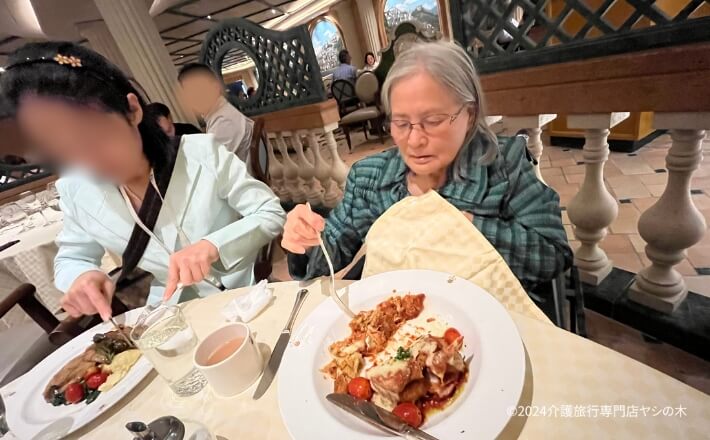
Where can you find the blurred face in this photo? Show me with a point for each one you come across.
(200, 92)
(104, 143)
(370, 60)
(419, 98)
(167, 125)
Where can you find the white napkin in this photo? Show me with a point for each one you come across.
(244, 308)
(52, 216)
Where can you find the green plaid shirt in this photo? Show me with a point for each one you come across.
(516, 212)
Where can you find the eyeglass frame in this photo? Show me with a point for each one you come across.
(452, 118)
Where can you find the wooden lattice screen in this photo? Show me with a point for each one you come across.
(288, 72)
(510, 34)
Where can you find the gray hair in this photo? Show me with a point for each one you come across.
(449, 64)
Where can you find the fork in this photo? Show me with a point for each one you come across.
(333, 293)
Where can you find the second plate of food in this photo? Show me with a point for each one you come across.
(422, 337)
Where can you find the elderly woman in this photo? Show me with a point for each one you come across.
(433, 97)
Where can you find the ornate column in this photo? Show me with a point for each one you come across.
(101, 40)
(290, 171)
(307, 171)
(143, 49)
(593, 209)
(332, 194)
(368, 19)
(339, 171)
(533, 124)
(673, 223)
(276, 171)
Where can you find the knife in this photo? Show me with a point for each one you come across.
(378, 417)
(279, 348)
(9, 245)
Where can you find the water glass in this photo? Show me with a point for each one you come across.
(166, 339)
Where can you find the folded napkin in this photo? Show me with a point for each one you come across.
(245, 307)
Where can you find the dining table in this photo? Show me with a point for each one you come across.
(574, 387)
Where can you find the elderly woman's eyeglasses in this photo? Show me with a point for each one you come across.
(431, 125)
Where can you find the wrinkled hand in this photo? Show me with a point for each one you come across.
(90, 293)
(190, 265)
(302, 229)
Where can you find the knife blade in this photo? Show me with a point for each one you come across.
(9, 245)
(277, 354)
(378, 417)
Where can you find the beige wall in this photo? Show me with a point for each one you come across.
(345, 14)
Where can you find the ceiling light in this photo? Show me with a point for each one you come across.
(2, 69)
(274, 11)
(209, 17)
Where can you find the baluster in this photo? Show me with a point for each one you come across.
(339, 171)
(593, 209)
(533, 124)
(673, 223)
(331, 193)
(307, 172)
(276, 171)
(291, 181)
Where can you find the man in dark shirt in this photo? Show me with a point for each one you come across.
(166, 121)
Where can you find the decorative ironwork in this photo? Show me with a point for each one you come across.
(288, 72)
(509, 34)
(12, 176)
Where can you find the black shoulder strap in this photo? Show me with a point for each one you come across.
(150, 209)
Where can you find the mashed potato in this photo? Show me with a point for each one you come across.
(119, 367)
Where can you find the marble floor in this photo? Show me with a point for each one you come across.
(636, 180)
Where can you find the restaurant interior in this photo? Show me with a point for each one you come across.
(612, 101)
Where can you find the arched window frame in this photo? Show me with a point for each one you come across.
(380, 11)
(330, 19)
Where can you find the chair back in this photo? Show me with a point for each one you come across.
(258, 156)
(367, 87)
(343, 90)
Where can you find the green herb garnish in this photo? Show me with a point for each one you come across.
(402, 354)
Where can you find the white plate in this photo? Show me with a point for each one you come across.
(496, 376)
(29, 416)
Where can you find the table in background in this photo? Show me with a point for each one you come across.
(564, 371)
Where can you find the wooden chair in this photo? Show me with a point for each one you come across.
(344, 93)
(259, 167)
(367, 89)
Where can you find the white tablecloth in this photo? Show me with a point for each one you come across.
(575, 387)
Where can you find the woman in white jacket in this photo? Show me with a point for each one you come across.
(184, 210)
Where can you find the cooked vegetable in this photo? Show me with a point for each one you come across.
(74, 393)
(95, 380)
(403, 354)
(92, 395)
(451, 335)
(360, 388)
(409, 413)
(57, 397)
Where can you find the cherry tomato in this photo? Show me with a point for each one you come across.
(74, 393)
(451, 335)
(409, 413)
(360, 388)
(95, 380)
(90, 372)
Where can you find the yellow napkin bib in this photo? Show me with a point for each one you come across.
(427, 232)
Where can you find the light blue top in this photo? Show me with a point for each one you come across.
(210, 195)
(345, 71)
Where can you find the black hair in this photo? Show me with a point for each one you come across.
(192, 68)
(343, 56)
(82, 77)
(159, 109)
(368, 54)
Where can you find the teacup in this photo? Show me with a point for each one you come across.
(229, 359)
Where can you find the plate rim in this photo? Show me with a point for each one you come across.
(12, 392)
(517, 348)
